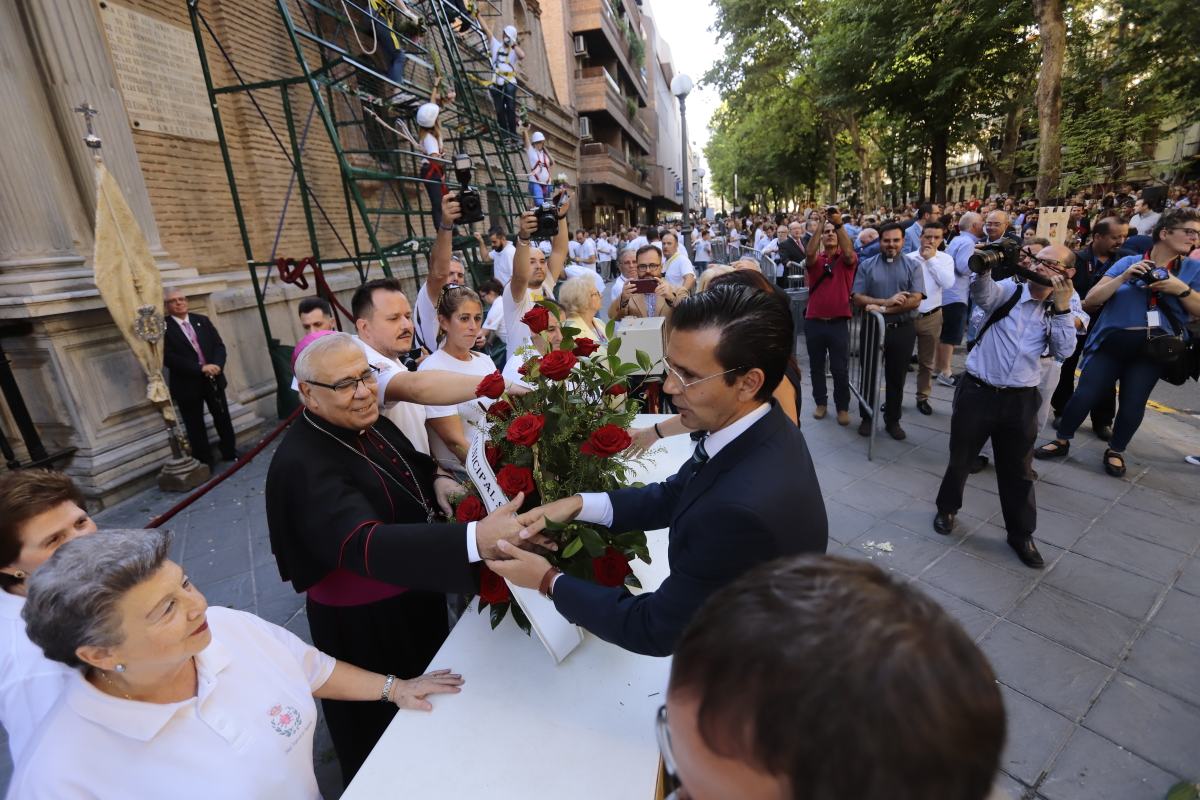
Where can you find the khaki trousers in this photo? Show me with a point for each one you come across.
(929, 329)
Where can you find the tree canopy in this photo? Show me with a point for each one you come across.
(868, 100)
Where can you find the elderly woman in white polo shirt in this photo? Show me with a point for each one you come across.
(172, 698)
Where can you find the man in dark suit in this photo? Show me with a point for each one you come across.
(749, 493)
(195, 356)
(791, 249)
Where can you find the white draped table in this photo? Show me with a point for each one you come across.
(523, 727)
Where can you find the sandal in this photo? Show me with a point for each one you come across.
(1052, 449)
(1116, 470)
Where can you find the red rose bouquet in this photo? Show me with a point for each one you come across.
(568, 434)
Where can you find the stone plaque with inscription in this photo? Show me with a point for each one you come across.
(160, 74)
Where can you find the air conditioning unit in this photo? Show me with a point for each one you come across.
(580, 46)
(585, 128)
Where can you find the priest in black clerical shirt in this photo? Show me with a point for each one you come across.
(355, 515)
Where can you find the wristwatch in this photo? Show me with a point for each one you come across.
(544, 587)
(1184, 293)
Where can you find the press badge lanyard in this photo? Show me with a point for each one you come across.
(1153, 316)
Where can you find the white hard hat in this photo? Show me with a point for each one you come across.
(510, 32)
(537, 137)
(427, 114)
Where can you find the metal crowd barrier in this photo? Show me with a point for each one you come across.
(866, 366)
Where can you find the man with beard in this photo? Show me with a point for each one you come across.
(534, 275)
(894, 286)
(501, 254)
(354, 515)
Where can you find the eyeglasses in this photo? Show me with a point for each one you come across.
(663, 734)
(1052, 263)
(349, 386)
(685, 385)
(1189, 233)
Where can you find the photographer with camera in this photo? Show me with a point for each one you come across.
(829, 266)
(445, 269)
(1091, 263)
(894, 286)
(997, 396)
(1147, 303)
(535, 273)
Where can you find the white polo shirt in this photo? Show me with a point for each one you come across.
(247, 734)
(408, 417)
(30, 683)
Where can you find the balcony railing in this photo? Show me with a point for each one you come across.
(592, 14)
(598, 158)
(596, 90)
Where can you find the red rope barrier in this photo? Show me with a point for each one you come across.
(292, 271)
(213, 483)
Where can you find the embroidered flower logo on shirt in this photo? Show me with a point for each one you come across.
(285, 720)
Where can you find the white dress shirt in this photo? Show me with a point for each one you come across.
(30, 683)
(248, 732)
(597, 506)
(939, 275)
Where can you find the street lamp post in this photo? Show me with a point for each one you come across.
(681, 87)
(703, 205)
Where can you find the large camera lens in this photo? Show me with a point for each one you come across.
(984, 260)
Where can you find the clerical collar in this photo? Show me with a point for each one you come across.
(319, 422)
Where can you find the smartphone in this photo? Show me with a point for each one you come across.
(644, 285)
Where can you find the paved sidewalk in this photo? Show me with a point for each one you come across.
(1096, 653)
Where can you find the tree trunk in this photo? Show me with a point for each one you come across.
(860, 152)
(937, 168)
(831, 165)
(1052, 31)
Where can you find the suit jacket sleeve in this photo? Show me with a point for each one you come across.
(647, 508)
(324, 514)
(720, 546)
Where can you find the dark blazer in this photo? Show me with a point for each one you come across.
(756, 500)
(790, 250)
(1088, 272)
(330, 508)
(180, 358)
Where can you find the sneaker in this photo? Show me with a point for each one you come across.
(1193, 460)
(945, 380)
(924, 407)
